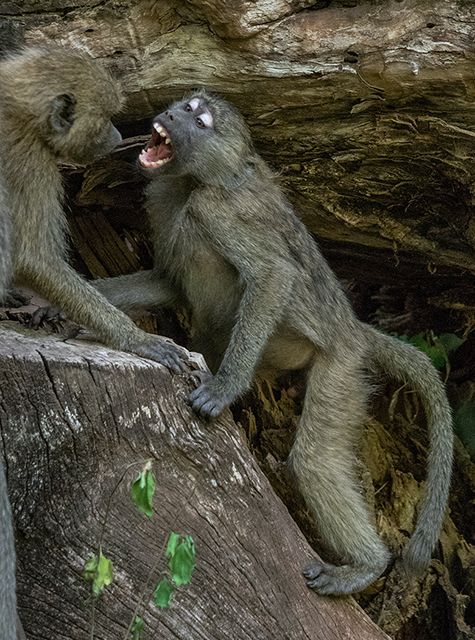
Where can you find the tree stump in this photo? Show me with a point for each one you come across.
(74, 419)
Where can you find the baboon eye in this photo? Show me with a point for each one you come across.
(188, 107)
(204, 120)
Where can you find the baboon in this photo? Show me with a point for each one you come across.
(57, 104)
(53, 104)
(229, 247)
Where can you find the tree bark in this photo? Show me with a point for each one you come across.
(73, 418)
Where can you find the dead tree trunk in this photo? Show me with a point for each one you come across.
(73, 418)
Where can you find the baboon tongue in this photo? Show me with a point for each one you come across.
(155, 153)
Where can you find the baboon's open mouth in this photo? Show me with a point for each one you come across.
(158, 150)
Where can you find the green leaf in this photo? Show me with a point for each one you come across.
(419, 341)
(100, 573)
(438, 355)
(137, 628)
(182, 561)
(172, 544)
(143, 490)
(164, 593)
(450, 341)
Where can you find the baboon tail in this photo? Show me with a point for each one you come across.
(406, 362)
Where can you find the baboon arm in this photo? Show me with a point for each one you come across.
(268, 275)
(142, 289)
(5, 257)
(259, 312)
(64, 288)
(268, 278)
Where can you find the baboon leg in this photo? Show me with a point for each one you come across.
(142, 289)
(323, 461)
(10, 624)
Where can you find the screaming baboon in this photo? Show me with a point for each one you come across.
(230, 248)
(57, 104)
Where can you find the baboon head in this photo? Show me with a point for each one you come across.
(64, 99)
(202, 136)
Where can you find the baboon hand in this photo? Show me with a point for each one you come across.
(210, 398)
(14, 298)
(164, 351)
(46, 316)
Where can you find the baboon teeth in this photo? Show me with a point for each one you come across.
(152, 165)
(159, 129)
(158, 151)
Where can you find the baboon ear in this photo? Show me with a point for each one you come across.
(62, 112)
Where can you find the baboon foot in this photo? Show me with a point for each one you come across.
(328, 579)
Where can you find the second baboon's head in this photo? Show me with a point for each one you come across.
(202, 136)
(64, 99)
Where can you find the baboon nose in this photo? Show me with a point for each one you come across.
(169, 115)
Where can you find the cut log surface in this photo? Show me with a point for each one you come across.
(73, 417)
